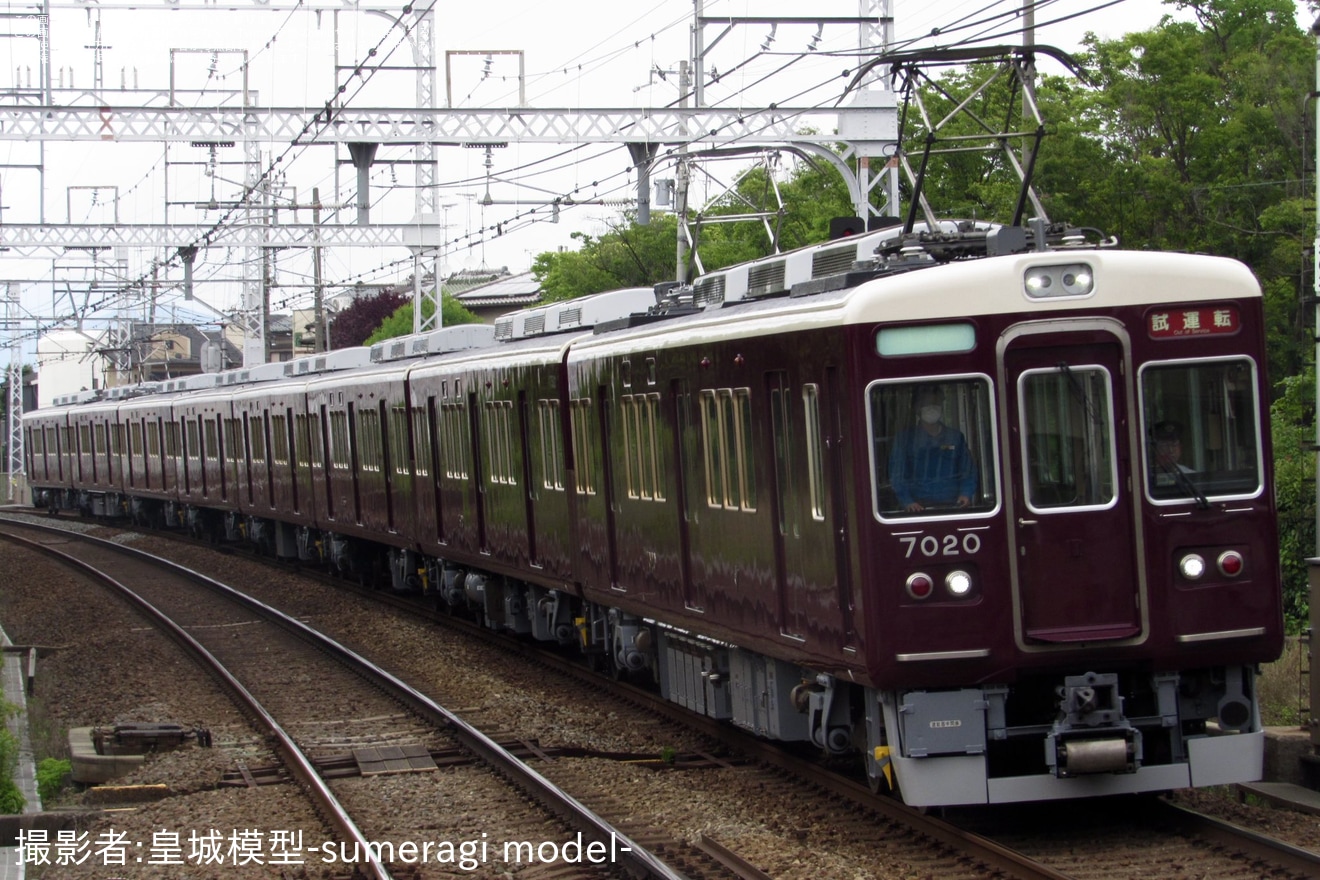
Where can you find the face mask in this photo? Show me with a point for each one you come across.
(931, 414)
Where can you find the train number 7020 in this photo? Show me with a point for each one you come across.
(948, 545)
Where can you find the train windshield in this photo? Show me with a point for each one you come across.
(933, 447)
(1200, 420)
(1067, 425)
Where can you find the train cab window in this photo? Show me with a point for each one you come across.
(1068, 443)
(1200, 421)
(933, 447)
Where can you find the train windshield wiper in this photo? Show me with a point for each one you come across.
(1185, 483)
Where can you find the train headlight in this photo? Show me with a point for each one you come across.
(1230, 563)
(1192, 566)
(959, 583)
(920, 586)
(1038, 282)
(1069, 279)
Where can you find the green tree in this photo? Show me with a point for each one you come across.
(400, 323)
(626, 255)
(629, 255)
(1292, 427)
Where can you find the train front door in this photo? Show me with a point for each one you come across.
(1069, 462)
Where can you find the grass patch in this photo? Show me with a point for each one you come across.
(11, 799)
(1282, 686)
(52, 773)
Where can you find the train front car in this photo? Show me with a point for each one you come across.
(1070, 556)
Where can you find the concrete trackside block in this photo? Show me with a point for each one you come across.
(91, 768)
(1285, 748)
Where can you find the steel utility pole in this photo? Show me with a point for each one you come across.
(318, 292)
(1313, 564)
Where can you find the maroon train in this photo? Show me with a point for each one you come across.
(713, 485)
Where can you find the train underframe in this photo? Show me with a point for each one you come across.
(1047, 735)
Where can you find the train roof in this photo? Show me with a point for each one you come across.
(951, 290)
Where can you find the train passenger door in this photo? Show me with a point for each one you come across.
(685, 453)
(787, 529)
(478, 471)
(1069, 461)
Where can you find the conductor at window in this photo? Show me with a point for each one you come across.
(930, 466)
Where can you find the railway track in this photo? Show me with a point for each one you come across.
(306, 692)
(831, 809)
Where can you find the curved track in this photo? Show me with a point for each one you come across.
(164, 591)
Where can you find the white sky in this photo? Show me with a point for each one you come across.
(578, 54)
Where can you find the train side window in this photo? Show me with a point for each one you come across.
(421, 441)
(229, 433)
(398, 435)
(454, 439)
(279, 440)
(499, 430)
(257, 439)
(1200, 420)
(580, 421)
(212, 440)
(727, 442)
(650, 436)
(640, 444)
(368, 433)
(194, 443)
(552, 457)
(315, 441)
(712, 446)
(339, 440)
(932, 447)
(300, 450)
(135, 438)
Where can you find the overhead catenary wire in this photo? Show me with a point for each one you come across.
(521, 219)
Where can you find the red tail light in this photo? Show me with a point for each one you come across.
(920, 586)
(1230, 563)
